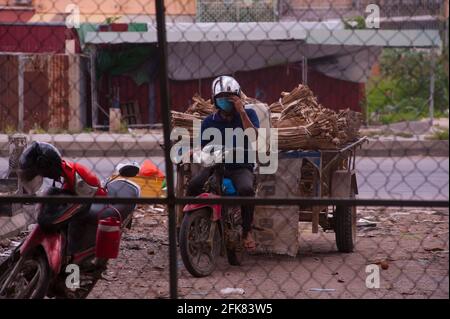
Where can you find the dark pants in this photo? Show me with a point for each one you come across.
(242, 178)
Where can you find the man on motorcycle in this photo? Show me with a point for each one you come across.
(226, 95)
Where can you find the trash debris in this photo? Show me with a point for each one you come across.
(134, 247)
(365, 223)
(423, 261)
(15, 243)
(149, 222)
(341, 280)
(159, 267)
(199, 293)
(322, 289)
(438, 213)
(231, 291)
(4, 243)
(384, 264)
(399, 214)
(6, 253)
(433, 249)
(159, 209)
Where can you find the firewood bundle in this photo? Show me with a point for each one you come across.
(198, 110)
(305, 124)
(200, 107)
(348, 124)
(184, 120)
(301, 121)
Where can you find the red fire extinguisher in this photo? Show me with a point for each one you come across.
(108, 236)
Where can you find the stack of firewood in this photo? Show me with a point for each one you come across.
(305, 124)
(200, 107)
(198, 110)
(301, 121)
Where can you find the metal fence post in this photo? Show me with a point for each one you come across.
(432, 84)
(21, 93)
(165, 114)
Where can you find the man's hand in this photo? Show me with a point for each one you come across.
(239, 107)
(238, 104)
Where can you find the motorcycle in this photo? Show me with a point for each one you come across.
(40, 266)
(208, 231)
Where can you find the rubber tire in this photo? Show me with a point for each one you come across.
(40, 291)
(184, 242)
(343, 223)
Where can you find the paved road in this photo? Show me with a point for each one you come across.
(400, 178)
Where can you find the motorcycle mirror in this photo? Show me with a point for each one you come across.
(128, 169)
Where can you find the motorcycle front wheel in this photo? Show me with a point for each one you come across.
(200, 242)
(26, 278)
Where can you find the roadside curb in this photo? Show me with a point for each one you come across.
(86, 145)
(117, 145)
(404, 148)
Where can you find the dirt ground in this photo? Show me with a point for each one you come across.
(410, 243)
(411, 246)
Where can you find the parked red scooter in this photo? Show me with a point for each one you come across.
(77, 242)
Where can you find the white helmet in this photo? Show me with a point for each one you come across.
(224, 84)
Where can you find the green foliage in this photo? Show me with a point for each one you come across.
(123, 127)
(357, 22)
(439, 134)
(37, 129)
(401, 92)
(9, 129)
(111, 20)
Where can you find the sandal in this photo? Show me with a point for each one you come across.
(249, 243)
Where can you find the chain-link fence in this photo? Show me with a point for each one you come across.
(348, 101)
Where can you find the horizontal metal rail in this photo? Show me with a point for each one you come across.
(231, 200)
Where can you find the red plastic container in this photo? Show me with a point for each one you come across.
(108, 238)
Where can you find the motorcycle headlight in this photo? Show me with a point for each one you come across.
(82, 188)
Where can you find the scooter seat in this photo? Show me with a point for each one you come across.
(82, 229)
(117, 188)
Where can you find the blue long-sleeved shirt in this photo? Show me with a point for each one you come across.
(216, 121)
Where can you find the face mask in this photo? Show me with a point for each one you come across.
(224, 104)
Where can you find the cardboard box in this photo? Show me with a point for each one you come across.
(276, 229)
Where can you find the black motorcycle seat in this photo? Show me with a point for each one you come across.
(117, 188)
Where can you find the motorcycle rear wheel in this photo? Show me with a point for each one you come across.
(26, 278)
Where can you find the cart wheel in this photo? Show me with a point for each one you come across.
(345, 227)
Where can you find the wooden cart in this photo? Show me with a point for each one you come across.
(324, 174)
(330, 174)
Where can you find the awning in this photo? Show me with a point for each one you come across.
(203, 50)
(217, 32)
